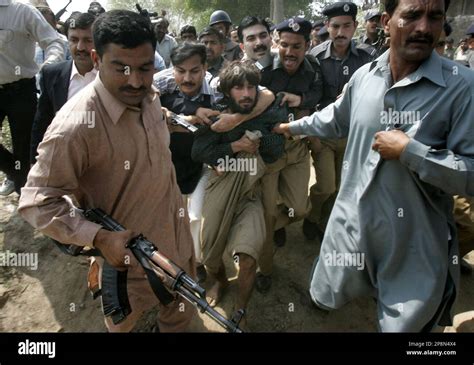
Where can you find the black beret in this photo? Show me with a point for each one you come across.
(318, 23)
(340, 8)
(295, 25)
(470, 30)
(323, 31)
(372, 13)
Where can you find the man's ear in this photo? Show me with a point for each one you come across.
(95, 58)
(385, 22)
(205, 67)
(308, 45)
(356, 23)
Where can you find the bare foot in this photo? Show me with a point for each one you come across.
(243, 325)
(214, 295)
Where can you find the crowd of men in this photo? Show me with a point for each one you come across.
(385, 119)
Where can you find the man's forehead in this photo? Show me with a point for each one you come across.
(407, 5)
(254, 30)
(244, 83)
(292, 38)
(139, 55)
(190, 63)
(209, 37)
(80, 31)
(341, 20)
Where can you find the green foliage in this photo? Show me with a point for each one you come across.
(197, 12)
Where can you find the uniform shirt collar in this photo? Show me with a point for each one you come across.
(328, 52)
(114, 107)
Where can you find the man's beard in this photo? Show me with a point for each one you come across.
(236, 108)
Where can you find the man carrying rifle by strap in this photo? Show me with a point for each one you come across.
(121, 164)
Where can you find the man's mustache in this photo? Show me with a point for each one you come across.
(81, 53)
(341, 37)
(421, 38)
(246, 100)
(260, 48)
(132, 89)
(188, 84)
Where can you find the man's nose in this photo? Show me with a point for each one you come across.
(135, 79)
(423, 25)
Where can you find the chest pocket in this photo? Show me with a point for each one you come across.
(6, 36)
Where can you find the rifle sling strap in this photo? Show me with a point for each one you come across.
(163, 295)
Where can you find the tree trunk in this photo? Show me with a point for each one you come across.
(277, 11)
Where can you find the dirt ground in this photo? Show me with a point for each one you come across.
(55, 298)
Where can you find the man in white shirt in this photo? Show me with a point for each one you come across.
(60, 82)
(21, 26)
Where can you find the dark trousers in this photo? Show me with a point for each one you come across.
(18, 103)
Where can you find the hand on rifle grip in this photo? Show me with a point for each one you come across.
(112, 245)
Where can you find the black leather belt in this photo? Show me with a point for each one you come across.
(17, 85)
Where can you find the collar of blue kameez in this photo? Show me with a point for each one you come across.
(431, 69)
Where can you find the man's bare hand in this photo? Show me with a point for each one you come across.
(193, 119)
(225, 123)
(245, 144)
(283, 128)
(293, 100)
(112, 246)
(205, 114)
(390, 144)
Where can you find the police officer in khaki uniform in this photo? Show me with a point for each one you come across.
(298, 77)
(339, 58)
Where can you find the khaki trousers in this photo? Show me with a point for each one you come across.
(328, 163)
(285, 181)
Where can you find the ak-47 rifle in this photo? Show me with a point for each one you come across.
(165, 278)
(62, 11)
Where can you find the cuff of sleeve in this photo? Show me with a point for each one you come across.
(296, 128)
(87, 233)
(414, 154)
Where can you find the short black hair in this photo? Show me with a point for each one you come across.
(391, 5)
(250, 21)
(123, 27)
(188, 29)
(165, 21)
(187, 50)
(447, 29)
(208, 31)
(79, 20)
(236, 73)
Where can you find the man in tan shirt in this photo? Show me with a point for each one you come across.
(108, 147)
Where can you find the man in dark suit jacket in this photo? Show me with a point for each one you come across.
(61, 81)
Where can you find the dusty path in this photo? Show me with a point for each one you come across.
(54, 298)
